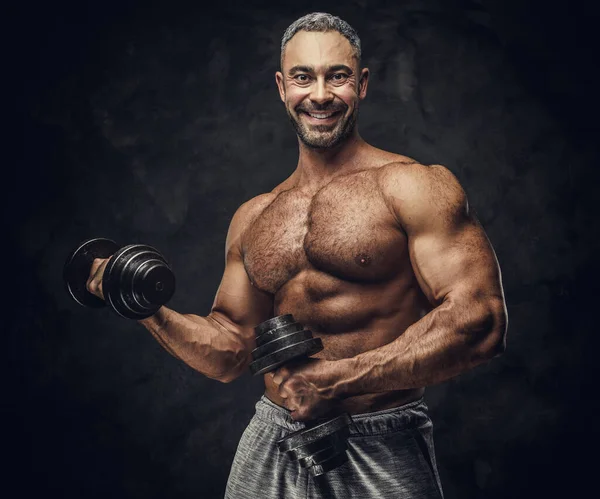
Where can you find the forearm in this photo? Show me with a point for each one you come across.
(451, 339)
(204, 343)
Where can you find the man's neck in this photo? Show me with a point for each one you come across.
(316, 166)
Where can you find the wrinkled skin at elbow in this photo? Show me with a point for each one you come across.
(234, 363)
(493, 325)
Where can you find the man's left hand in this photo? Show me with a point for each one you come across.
(307, 388)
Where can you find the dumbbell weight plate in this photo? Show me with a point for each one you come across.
(273, 323)
(273, 334)
(274, 360)
(329, 464)
(77, 269)
(137, 281)
(313, 433)
(279, 343)
(322, 455)
(335, 439)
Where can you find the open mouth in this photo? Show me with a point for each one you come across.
(321, 117)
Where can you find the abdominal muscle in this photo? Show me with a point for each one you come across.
(351, 319)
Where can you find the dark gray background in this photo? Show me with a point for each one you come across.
(152, 121)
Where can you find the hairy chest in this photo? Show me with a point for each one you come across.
(345, 230)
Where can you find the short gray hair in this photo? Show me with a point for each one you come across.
(322, 22)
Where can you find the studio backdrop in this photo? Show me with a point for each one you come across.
(151, 122)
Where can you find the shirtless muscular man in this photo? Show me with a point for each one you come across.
(376, 254)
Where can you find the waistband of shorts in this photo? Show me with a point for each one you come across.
(411, 415)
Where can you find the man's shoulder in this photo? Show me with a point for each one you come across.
(394, 170)
(414, 178)
(244, 216)
(250, 209)
(418, 193)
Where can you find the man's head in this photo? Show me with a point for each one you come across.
(321, 82)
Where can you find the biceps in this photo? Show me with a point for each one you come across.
(238, 302)
(461, 260)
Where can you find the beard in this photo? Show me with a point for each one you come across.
(324, 136)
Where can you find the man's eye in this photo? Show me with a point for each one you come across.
(301, 78)
(339, 76)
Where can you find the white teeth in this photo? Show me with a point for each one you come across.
(321, 116)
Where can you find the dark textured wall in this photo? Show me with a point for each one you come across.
(152, 121)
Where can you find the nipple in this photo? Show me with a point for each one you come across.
(363, 260)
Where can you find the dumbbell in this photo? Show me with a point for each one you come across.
(321, 446)
(137, 279)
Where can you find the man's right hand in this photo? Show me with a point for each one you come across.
(220, 344)
(94, 282)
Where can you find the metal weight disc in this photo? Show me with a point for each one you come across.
(77, 269)
(279, 357)
(322, 455)
(118, 281)
(115, 285)
(278, 332)
(336, 439)
(153, 283)
(273, 323)
(328, 464)
(282, 342)
(313, 433)
(146, 281)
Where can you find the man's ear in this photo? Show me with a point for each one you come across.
(280, 85)
(363, 83)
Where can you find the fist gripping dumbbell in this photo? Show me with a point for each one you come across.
(321, 446)
(136, 282)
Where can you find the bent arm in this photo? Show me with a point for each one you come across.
(457, 270)
(219, 344)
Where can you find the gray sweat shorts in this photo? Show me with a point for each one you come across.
(390, 455)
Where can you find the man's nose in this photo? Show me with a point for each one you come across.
(320, 92)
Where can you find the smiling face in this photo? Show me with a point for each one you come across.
(321, 85)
